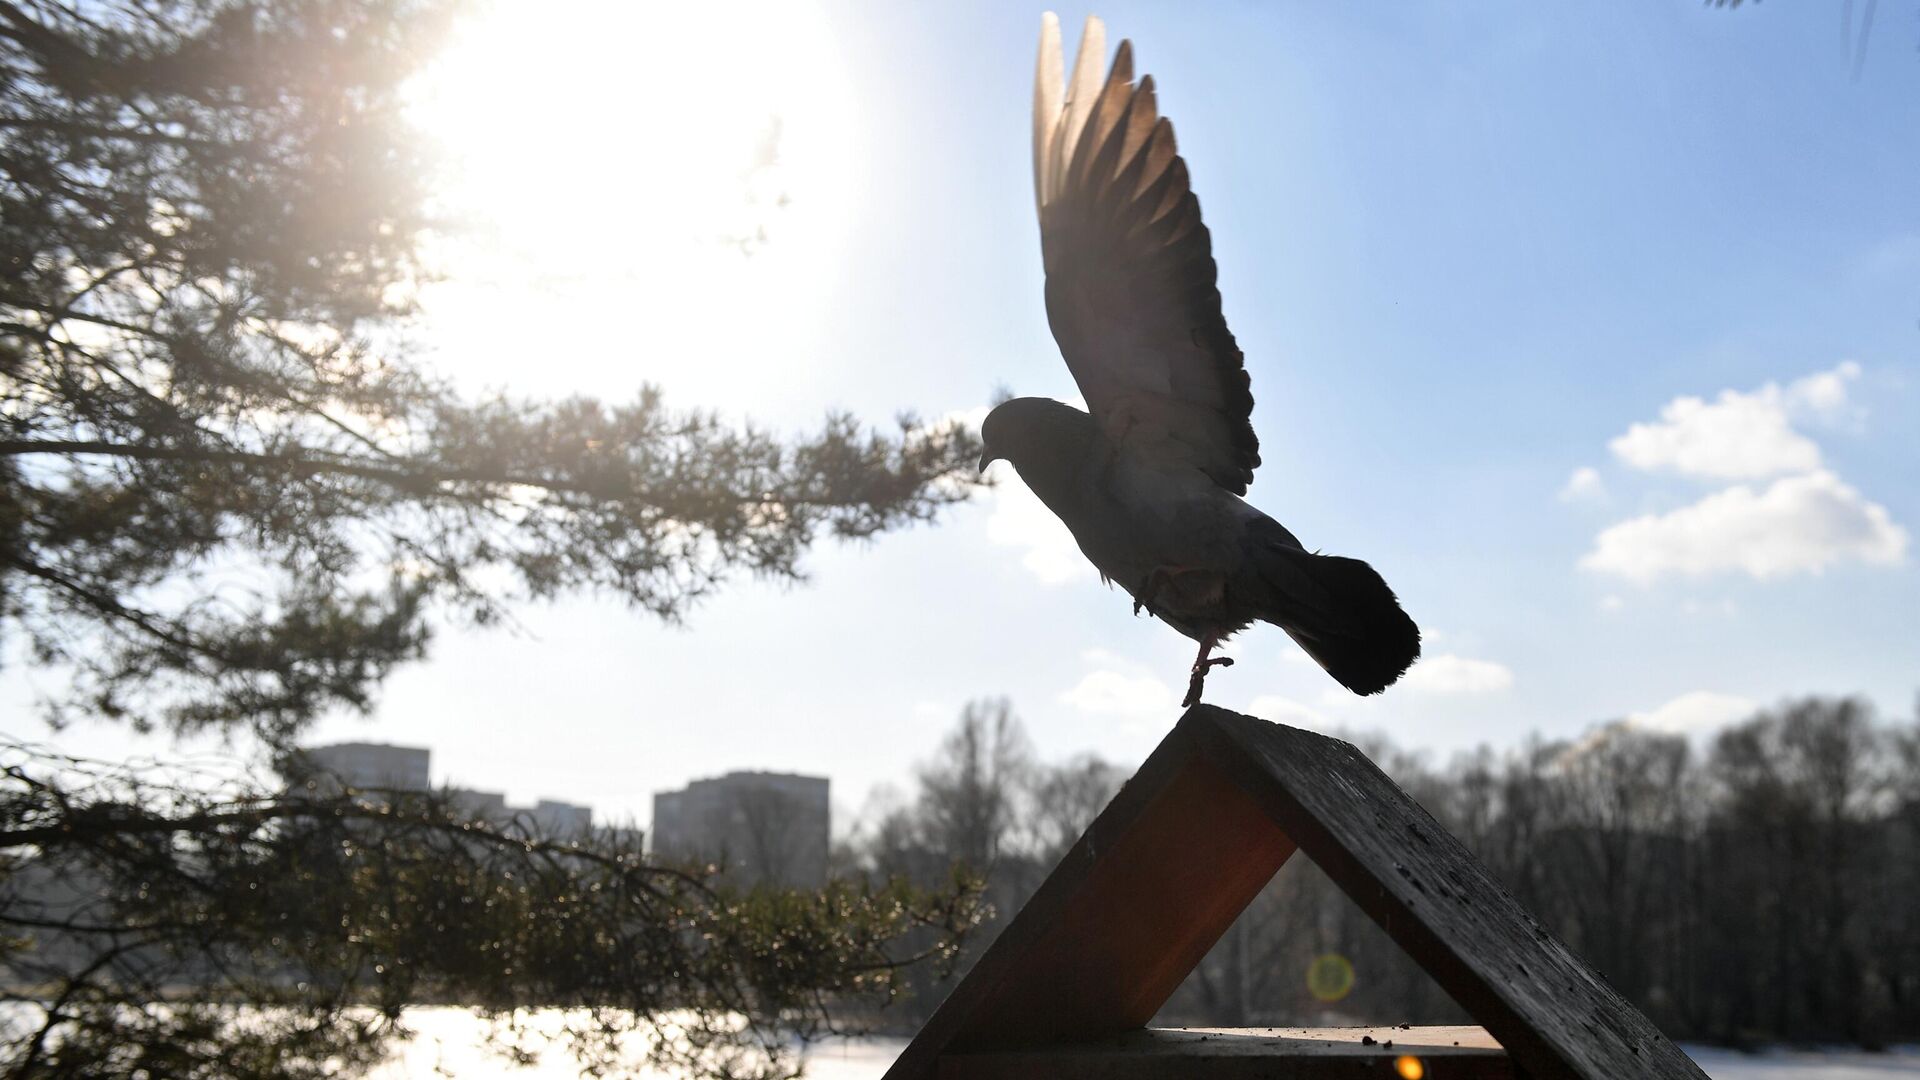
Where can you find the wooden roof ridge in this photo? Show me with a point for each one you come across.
(1192, 838)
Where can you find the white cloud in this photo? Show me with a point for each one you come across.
(1612, 602)
(1336, 697)
(1019, 519)
(1119, 687)
(1285, 710)
(972, 417)
(1824, 393)
(1450, 674)
(1739, 435)
(1696, 712)
(1584, 485)
(1799, 524)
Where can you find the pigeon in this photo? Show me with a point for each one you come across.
(1150, 478)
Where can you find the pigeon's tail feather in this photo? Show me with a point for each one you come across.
(1342, 614)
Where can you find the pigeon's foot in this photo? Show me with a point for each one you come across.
(1197, 681)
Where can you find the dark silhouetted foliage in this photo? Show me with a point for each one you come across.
(1760, 891)
(152, 928)
(230, 500)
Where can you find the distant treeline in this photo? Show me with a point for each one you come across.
(1760, 885)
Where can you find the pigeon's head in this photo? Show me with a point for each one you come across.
(1039, 435)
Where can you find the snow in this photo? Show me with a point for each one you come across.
(1822, 1064)
(448, 1042)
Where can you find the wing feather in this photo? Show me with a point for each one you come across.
(1082, 91)
(1048, 93)
(1132, 292)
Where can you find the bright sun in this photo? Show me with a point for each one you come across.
(637, 179)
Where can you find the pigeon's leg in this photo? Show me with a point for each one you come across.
(1201, 664)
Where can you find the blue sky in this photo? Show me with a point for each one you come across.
(1469, 251)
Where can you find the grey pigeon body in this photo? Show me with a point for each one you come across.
(1150, 479)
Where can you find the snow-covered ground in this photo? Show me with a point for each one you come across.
(448, 1042)
(1836, 1064)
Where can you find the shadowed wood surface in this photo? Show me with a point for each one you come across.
(1147, 890)
(1442, 1053)
(1552, 1012)
(1155, 896)
(1216, 809)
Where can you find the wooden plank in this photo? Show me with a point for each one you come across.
(1439, 1053)
(1155, 899)
(1153, 883)
(1552, 1012)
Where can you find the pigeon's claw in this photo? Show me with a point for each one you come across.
(1197, 681)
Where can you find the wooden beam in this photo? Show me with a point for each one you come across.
(1153, 897)
(1553, 1013)
(1437, 1053)
(1132, 907)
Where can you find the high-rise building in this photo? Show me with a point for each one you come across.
(757, 826)
(373, 766)
(479, 805)
(555, 818)
(378, 767)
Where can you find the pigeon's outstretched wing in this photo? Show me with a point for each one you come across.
(1130, 274)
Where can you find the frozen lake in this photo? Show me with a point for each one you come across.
(448, 1037)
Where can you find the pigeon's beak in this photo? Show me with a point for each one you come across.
(987, 458)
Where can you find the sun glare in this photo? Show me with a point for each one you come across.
(631, 179)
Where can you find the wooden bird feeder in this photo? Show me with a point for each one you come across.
(1067, 989)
